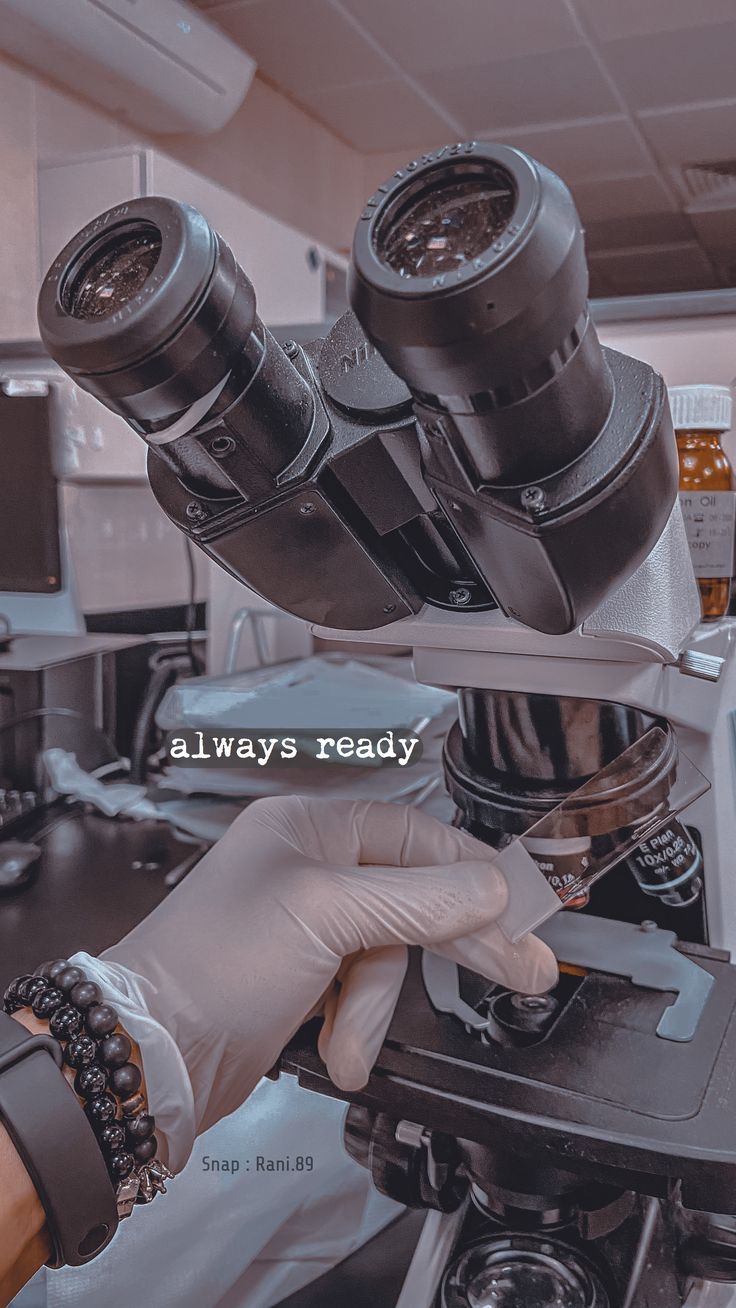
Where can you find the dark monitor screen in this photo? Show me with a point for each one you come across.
(30, 555)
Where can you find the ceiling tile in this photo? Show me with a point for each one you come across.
(649, 271)
(612, 197)
(379, 116)
(539, 89)
(645, 229)
(672, 68)
(378, 168)
(611, 19)
(692, 135)
(585, 150)
(303, 45)
(427, 34)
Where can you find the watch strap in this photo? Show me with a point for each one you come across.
(59, 1149)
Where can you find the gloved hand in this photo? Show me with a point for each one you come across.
(304, 906)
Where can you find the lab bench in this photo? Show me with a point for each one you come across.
(96, 878)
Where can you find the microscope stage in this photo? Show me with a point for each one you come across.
(598, 1092)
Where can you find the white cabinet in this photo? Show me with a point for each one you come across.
(73, 192)
(92, 444)
(281, 263)
(286, 267)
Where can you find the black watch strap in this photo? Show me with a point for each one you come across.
(59, 1149)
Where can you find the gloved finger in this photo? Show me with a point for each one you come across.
(369, 907)
(328, 1004)
(362, 1014)
(368, 832)
(361, 1008)
(528, 966)
(329, 1011)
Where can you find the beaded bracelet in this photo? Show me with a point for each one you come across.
(85, 1026)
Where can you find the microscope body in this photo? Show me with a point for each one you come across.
(548, 1153)
(674, 671)
(462, 469)
(566, 1127)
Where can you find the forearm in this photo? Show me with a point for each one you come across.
(25, 1244)
(24, 1241)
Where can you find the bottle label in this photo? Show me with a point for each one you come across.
(709, 523)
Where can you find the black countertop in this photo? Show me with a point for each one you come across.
(96, 878)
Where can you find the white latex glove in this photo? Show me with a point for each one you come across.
(303, 906)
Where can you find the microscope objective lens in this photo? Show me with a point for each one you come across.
(667, 866)
(565, 864)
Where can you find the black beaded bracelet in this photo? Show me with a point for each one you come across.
(85, 1027)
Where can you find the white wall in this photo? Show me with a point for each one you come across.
(684, 351)
(271, 153)
(19, 266)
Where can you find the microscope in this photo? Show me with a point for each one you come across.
(460, 467)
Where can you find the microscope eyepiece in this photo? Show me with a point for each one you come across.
(109, 274)
(469, 276)
(147, 309)
(474, 441)
(446, 220)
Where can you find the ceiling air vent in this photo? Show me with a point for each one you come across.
(713, 180)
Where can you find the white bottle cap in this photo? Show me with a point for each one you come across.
(701, 408)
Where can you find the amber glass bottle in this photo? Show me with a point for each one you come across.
(701, 414)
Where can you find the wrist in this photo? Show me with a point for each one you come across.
(69, 1016)
(138, 1002)
(48, 1147)
(26, 1218)
(37, 1026)
(26, 1243)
